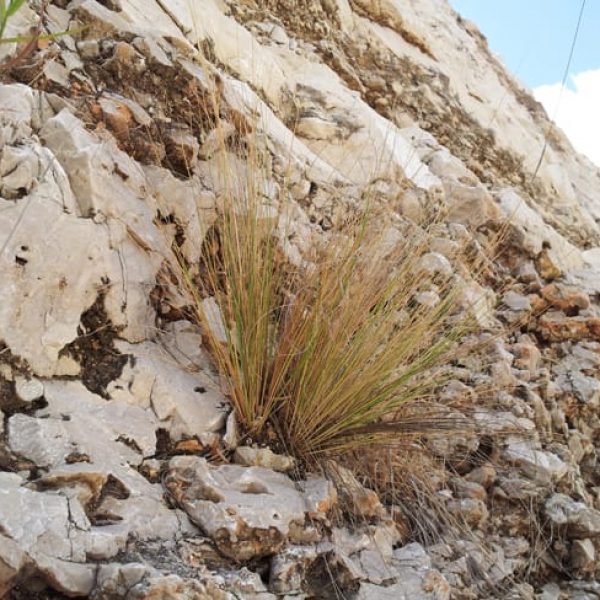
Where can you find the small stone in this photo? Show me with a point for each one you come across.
(516, 488)
(88, 49)
(541, 466)
(579, 520)
(551, 591)
(526, 273)
(125, 53)
(434, 263)
(288, 569)
(117, 117)
(176, 587)
(473, 512)
(375, 568)
(444, 246)
(583, 555)
(555, 326)
(515, 546)
(580, 446)
(516, 302)
(263, 457)
(316, 128)
(12, 560)
(547, 266)
(152, 50)
(182, 149)
(428, 298)
(320, 496)
(355, 498)
(470, 205)
(230, 439)
(56, 73)
(247, 511)
(151, 470)
(484, 476)
(502, 374)
(528, 357)
(566, 298)
(191, 446)
(585, 389)
(71, 60)
(216, 140)
(468, 489)
(67, 366)
(300, 189)
(28, 390)
(279, 36)
(412, 555)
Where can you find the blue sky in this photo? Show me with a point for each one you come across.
(533, 38)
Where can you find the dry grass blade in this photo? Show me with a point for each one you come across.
(325, 353)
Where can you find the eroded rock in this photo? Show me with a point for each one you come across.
(248, 511)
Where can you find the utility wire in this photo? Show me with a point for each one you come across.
(562, 88)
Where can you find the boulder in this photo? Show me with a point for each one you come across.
(247, 511)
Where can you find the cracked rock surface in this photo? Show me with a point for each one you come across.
(121, 472)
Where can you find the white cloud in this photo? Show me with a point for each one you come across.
(578, 112)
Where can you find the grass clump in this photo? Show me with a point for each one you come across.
(325, 354)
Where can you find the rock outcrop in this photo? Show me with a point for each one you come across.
(116, 435)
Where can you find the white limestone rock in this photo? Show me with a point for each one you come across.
(320, 496)
(182, 341)
(578, 520)
(247, 511)
(413, 585)
(534, 234)
(111, 187)
(73, 412)
(28, 390)
(542, 466)
(185, 403)
(39, 522)
(52, 266)
(12, 560)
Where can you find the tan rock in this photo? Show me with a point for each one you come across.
(472, 511)
(528, 356)
(565, 298)
(354, 497)
(557, 327)
(263, 457)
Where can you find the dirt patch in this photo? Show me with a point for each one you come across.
(23, 593)
(95, 351)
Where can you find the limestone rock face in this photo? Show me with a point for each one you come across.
(247, 511)
(117, 440)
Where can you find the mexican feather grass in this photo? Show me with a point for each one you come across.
(326, 353)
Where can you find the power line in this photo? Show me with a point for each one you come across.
(562, 87)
